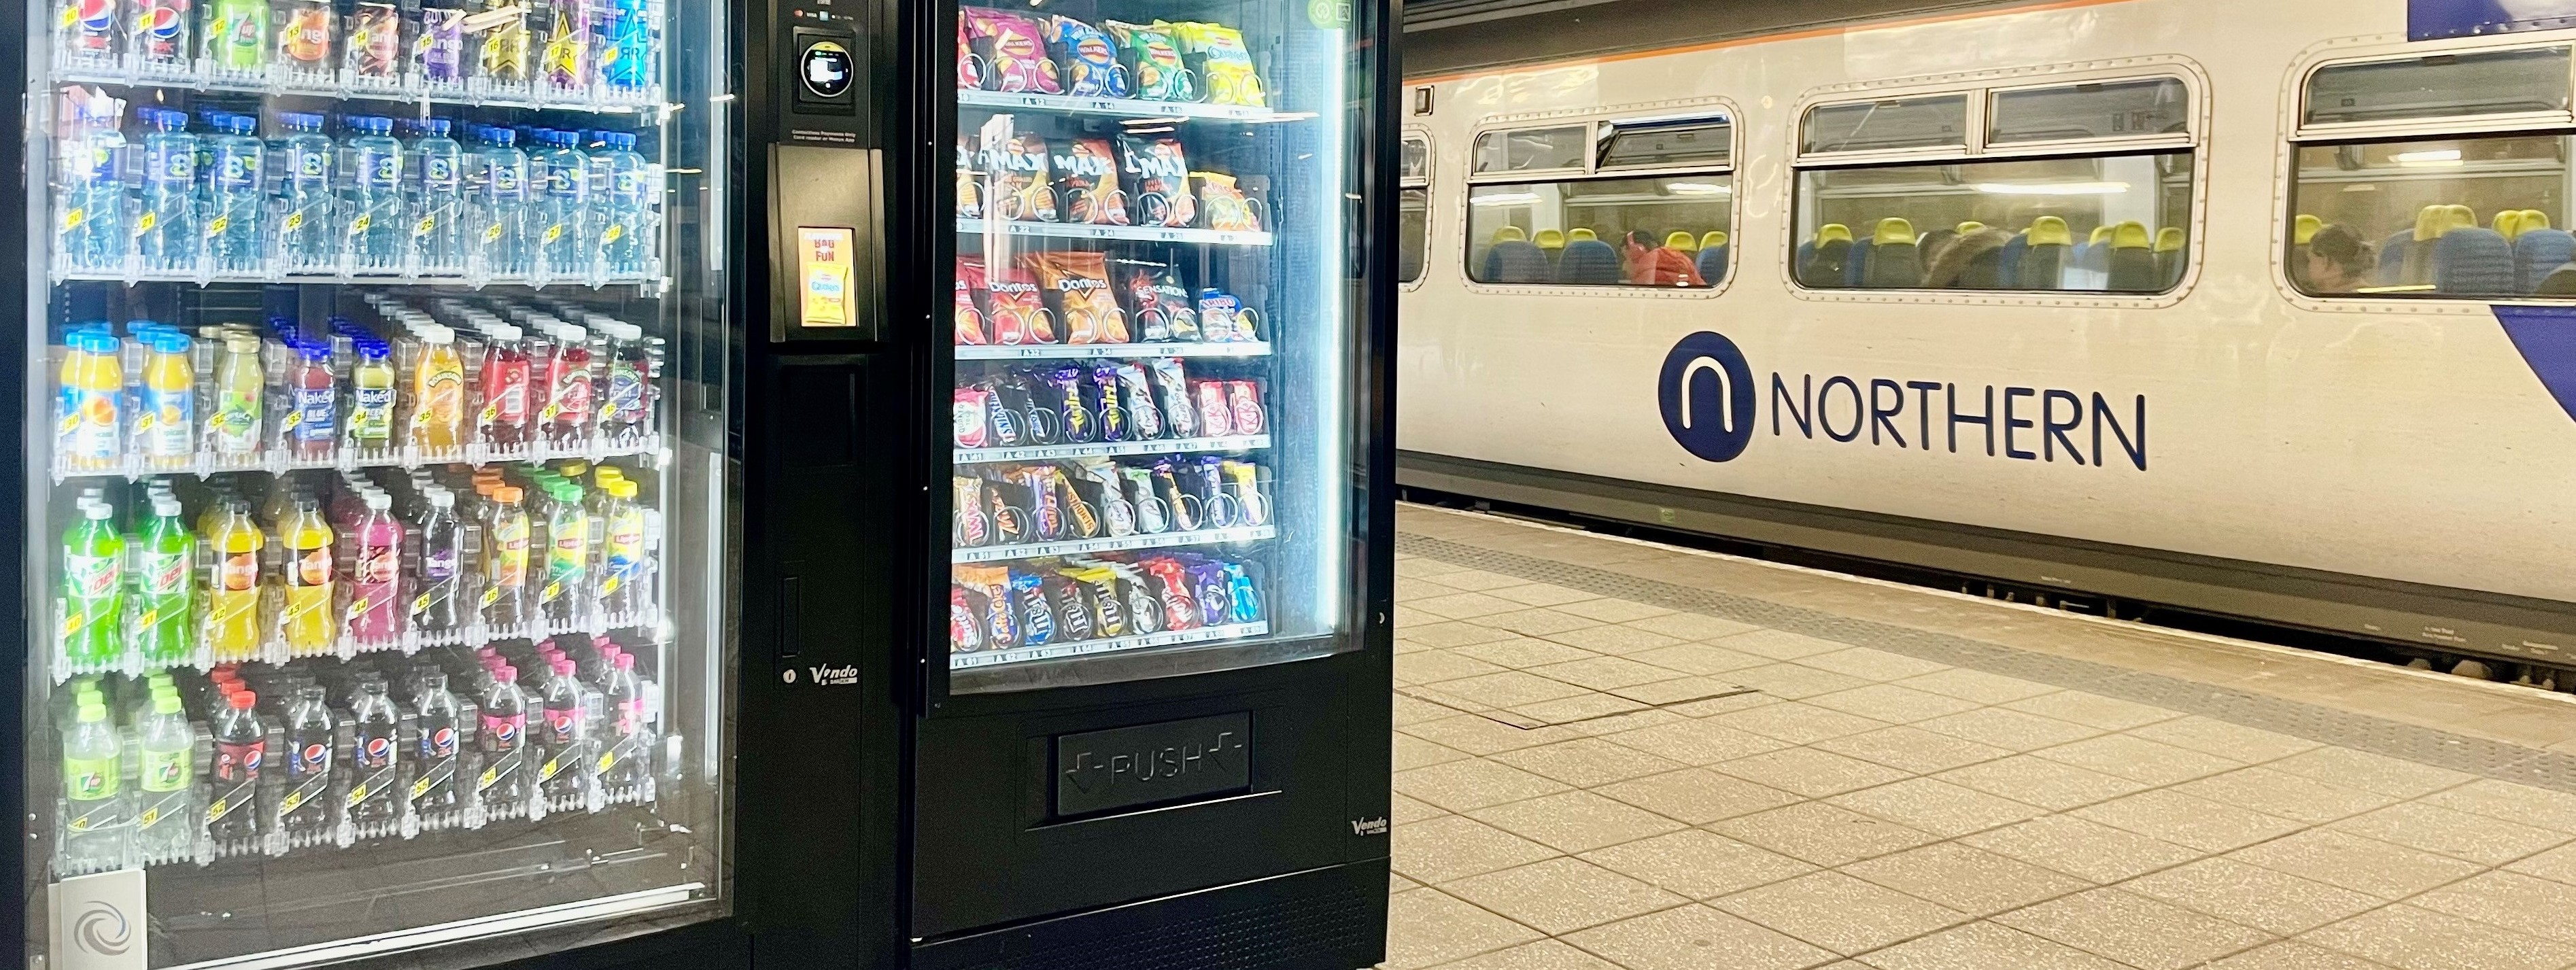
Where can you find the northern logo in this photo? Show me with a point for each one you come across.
(1707, 395)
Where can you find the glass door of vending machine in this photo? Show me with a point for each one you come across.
(376, 496)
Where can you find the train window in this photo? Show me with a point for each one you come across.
(1929, 122)
(1413, 208)
(1413, 161)
(2521, 81)
(2120, 109)
(2113, 223)
(1645, 232)
(2469, 217)
(1532, 149)
(1666, 144)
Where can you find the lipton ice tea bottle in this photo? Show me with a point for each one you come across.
(438, 388)
(311, 623)
(232, 593)
(241, 393)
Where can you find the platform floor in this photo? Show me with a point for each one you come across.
(1612, 754)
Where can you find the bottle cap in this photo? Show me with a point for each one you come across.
(442, 499)
(620, 140)
(434, 127)
(370, 124)
(242, 700)
(563, 668)
(92, 713)
(507, 494)
(625, 661)
(505, 672)
(379, 501)
(169, 342)
(99, 510)
(299, 121)
(165, 703)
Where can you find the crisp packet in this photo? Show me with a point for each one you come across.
(1153, 60)
(969, 316)
(1087, 58)
(1017, 311)
(1227, 207)
(1086, 183)
(1013, 49)
(1159, 172)
(1077, 284)
(1217, 53)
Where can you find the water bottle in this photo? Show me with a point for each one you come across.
(373, 203)
(436, 187)
(307, 240)
(628, 232)
(92, 203)
(501, 210)
(166, 230)
(166, 747)
(236, 202)
(563, 212)
(94, 827)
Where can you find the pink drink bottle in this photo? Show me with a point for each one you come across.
(375, 592)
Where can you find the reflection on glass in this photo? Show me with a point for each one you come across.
(1898, 123)
(1413, 219)
(2458, 217)
(1669, 232)
(1667, 145)
(2440, 86)
(2153, 107)
(2104, 224)
(1533, 149)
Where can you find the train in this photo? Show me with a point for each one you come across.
(2253, 311)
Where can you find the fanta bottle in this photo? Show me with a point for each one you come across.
(232, 593)
(93, 381)
(305, 29)
(438, 392)
(375, 575)
(309, 620)
(167, 428)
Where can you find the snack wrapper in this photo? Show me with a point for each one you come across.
(989, 589)
(1077, 284)
(1016, 310)
(1013, 49)
(1158, 173)
(1225, 204)
(1224, 66)
(1173, 391)
(1088, 59)
(1153, 60)
(969, 311)
(1086, 183)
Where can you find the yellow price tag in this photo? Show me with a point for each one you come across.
(294, 221)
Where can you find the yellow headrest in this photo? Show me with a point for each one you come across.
(1712, 239)
(1970, 226)
(2462, 217)
(2508, 223)
(2431, 222)
(1683, 241)
(2169, 239)
(1550, 239)
(2130, 235)
(2534, 219)
(1893, 232)
(1832, 231)
(2100, 233)
(1510, 234)
(2305, 228)
(2050, 231)
(1578, 235)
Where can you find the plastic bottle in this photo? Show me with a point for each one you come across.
(93, 777)
(85, 31)
(93, 389)
(306, 234)
(563, 212)
(566, 591)
(166, 747)
(375, 592)
(567, 414)
(501, 211)
(94, 587)
(306, 806)
(166, 420)
(237, 35)
(241, 747)
(373, 205)
(373, 754)
(313, 426)
(504, 419)
(372, 399)
(621, 588)
(437, 200)
(438, 586)
(92, 230)
(505, 728)
(165, 606)
(373, 51)
(505, 567)
(501, 59)
(624, 694)
(626, 50)
(438, 45)
(309, 621)
(161, 35)
(240, 397)
(437, 714)
(305, 32)
(166, 230)
(627, 190)
(236, 193)
(566, 733)
(438, 393)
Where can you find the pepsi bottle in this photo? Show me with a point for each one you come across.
(307, 804)
(436, 708)
(505, 727)
(371, 755)
(241, 744)
(566, 734)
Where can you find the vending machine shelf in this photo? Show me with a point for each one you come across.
(1246, 348)
(1113, 449)
(1084, 648)
(1126, 107)
(1076, 547)
(200, 74)
(1083, 230)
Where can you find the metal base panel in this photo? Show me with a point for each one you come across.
(1321, 919)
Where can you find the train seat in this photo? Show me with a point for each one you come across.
(1581, 233)
(2470, 261)
(2088, 262)
(2130, 259)
(1514, 259)
(2170, 255)
(2507, 223)
(2302, 229)
(2537, 252)
(2559, 282)
(2043, 259)
(1712, 262)
(1549, 241)
(1713, 237)
(1894, 261)
(1856, 265)
(2008, 275)
(1821, 259)
(1587, 261)
(1681, 242)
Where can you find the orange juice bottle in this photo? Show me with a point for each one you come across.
(93, 380)
(311, 623)
(438, 390)
(232, 593)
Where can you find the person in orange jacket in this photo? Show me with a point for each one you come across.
(1652, 264)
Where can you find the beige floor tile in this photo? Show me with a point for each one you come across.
(1455, 847)
(2284, 794)
(1691, 626)
(2293, 955)
(1406, 616)
(2209, 736)
(1838, 912)
(1977, 685)
(1434, 666)
(1698, 796)
(1576, 821)
(1413, 710)
(1562, 895)
(1965, 878)
(1742, 697)
(1479, 580)
(1542, 955)
(1780, 645)
(1985, 946)
(2505, 800)
(2275, 902)
(1614, 610)
(2511, 900)
(1697, 863)
(1406, 811)
(2556, 865)
(1696, 742)
(1464, 606)
(1461, 786)
(2459, 835)
(1798, 722)
(1869, 664)
(1451, 633)
(1605, 673)
(1541, 594)
(2371, 772)
(1436, 696)
(1424, 566)
(1522, 653)
(2137, 759)
(2184, 820)
(1912, 749)
(1508, 688)
(1678, 690)
(2093, 710)
(1580, 707)
(1618, 723)
(1791, 681)
(1478, 734)
(1426, 927)
(1826, 835)
(1413, 752)
(1696, 938)
(1586, 762)
(1699, 658)
(1809, 772)
(1538, 622)
(1889, 702)
(2410, 938)
(1614, 640)
(2008, 729)
(2134, 929)
(1409, 589)
(1397, 883)
(2365, 865)
(2039, 781)
(1937, 806)
(2087, 850)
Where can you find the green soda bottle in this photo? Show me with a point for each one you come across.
(237, 34)
(164, 601)
(94, 587)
